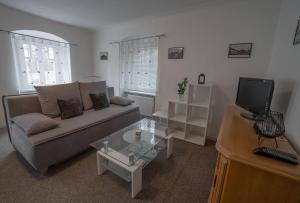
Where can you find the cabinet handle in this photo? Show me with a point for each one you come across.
(215, 180)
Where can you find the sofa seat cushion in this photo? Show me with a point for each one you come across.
(89, 118)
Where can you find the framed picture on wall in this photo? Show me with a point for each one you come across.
(103, 55)
(175, 53)
(297, 34)
(240, 50)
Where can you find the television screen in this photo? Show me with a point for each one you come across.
(255, 95)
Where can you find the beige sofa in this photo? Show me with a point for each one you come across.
(73, 135)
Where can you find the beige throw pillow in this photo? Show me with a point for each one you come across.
(121, 101)
(48, 96)
(34, 123)
(87, 88)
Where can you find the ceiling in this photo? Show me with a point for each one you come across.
(96, 14)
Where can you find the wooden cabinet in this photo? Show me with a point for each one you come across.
(241, 176)
(220, 173)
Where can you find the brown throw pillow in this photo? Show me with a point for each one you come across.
(70, 108)
(100, 101)
(87, 88)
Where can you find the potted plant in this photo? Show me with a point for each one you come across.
(181, 88)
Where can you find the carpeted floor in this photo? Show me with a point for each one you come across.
(185, 177)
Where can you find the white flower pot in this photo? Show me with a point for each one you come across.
(181, 97)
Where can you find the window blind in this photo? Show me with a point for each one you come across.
(40, 62)
(139, 65)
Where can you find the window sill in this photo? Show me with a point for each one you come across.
(140, 93)
(27, 92)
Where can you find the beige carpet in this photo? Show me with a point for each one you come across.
(185, 177)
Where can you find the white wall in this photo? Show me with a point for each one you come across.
(284, 68)
(11, 19)
(205, 35)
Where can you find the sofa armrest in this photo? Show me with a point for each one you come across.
(15, 105)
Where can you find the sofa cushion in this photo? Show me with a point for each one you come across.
(34, 123)
(70, 108)
(122, 101)
(100, 101)
(87, 88)
(89, 118)
(48, 96)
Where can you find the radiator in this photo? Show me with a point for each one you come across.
(145, 102)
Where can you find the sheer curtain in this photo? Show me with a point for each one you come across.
(40, 62)
(139, 65)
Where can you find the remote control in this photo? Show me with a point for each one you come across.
(276, 154)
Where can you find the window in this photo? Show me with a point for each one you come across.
(40, 61)
(138, 65)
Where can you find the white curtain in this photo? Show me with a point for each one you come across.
(139, 65)
(40, 62)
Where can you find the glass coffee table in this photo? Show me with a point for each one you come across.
(127, 151)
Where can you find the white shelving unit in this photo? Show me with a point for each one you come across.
(190, 117)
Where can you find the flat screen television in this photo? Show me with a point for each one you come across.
(255, 95)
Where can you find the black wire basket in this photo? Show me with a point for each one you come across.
(271, 127)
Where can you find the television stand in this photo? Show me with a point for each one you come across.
(251, 116)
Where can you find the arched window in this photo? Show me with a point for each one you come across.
(40, 59)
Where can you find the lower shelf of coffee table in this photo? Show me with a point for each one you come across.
(119, 157)
(119, 171)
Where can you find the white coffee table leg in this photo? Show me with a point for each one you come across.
(136, 181)
(101, 164)
(169, 146)
(135, 170)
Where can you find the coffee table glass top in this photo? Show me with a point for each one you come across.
(141, 140)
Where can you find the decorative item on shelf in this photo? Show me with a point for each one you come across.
(297, 34)
(201, 79)
(270, 127)
(240, 50)
(175, 53)
(103, 55)
(181, 88)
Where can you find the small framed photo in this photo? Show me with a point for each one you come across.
(240, 50)
(175, 53)
(297, 34)
(103, 55)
